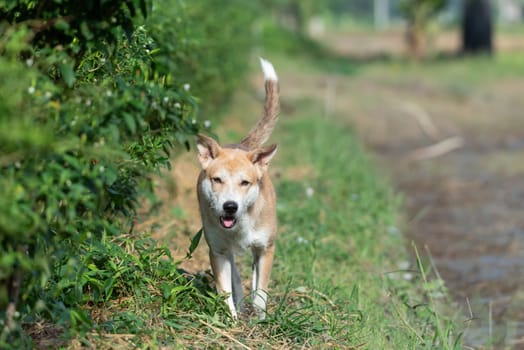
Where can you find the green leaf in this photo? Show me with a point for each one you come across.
(130, 122)
(60, 24)
(194, 243)
(68, 74)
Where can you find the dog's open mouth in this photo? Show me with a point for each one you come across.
(228, 221)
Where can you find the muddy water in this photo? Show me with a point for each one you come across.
(471, 218)
(467, 205)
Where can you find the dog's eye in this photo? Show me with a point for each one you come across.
(244, 183)
(216, 180)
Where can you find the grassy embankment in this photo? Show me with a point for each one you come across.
(341, 244)
(341, 266)
(340, 278)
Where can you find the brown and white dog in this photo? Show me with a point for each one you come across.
(238, 203)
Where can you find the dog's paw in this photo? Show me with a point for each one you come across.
(260, 303)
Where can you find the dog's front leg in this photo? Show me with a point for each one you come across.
(222, 266)
(262, 263)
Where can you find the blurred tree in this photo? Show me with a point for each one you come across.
(419, 14)
(295, 13)
(477, 28)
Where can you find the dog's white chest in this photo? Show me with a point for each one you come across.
(238, 240)
(254, 238)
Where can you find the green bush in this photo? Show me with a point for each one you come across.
(94, 96)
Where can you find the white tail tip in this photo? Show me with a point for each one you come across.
(268, 70)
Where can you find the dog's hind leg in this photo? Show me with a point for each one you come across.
(223, 268)
(236, 284)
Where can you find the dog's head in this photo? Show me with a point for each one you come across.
(232, 175)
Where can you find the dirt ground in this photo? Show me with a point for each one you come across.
(464, 202)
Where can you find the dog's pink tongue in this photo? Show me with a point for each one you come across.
(228, 222)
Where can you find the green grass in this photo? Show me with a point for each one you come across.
(338, 253)
(454, 74)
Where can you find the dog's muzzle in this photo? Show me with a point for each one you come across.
(228, 220)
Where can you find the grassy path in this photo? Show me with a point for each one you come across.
(465, 205)
(342, 277)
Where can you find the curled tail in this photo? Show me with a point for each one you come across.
(263, 128)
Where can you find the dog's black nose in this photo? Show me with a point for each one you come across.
(230, 207)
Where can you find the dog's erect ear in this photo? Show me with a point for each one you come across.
(208, 150)
(262, 156)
